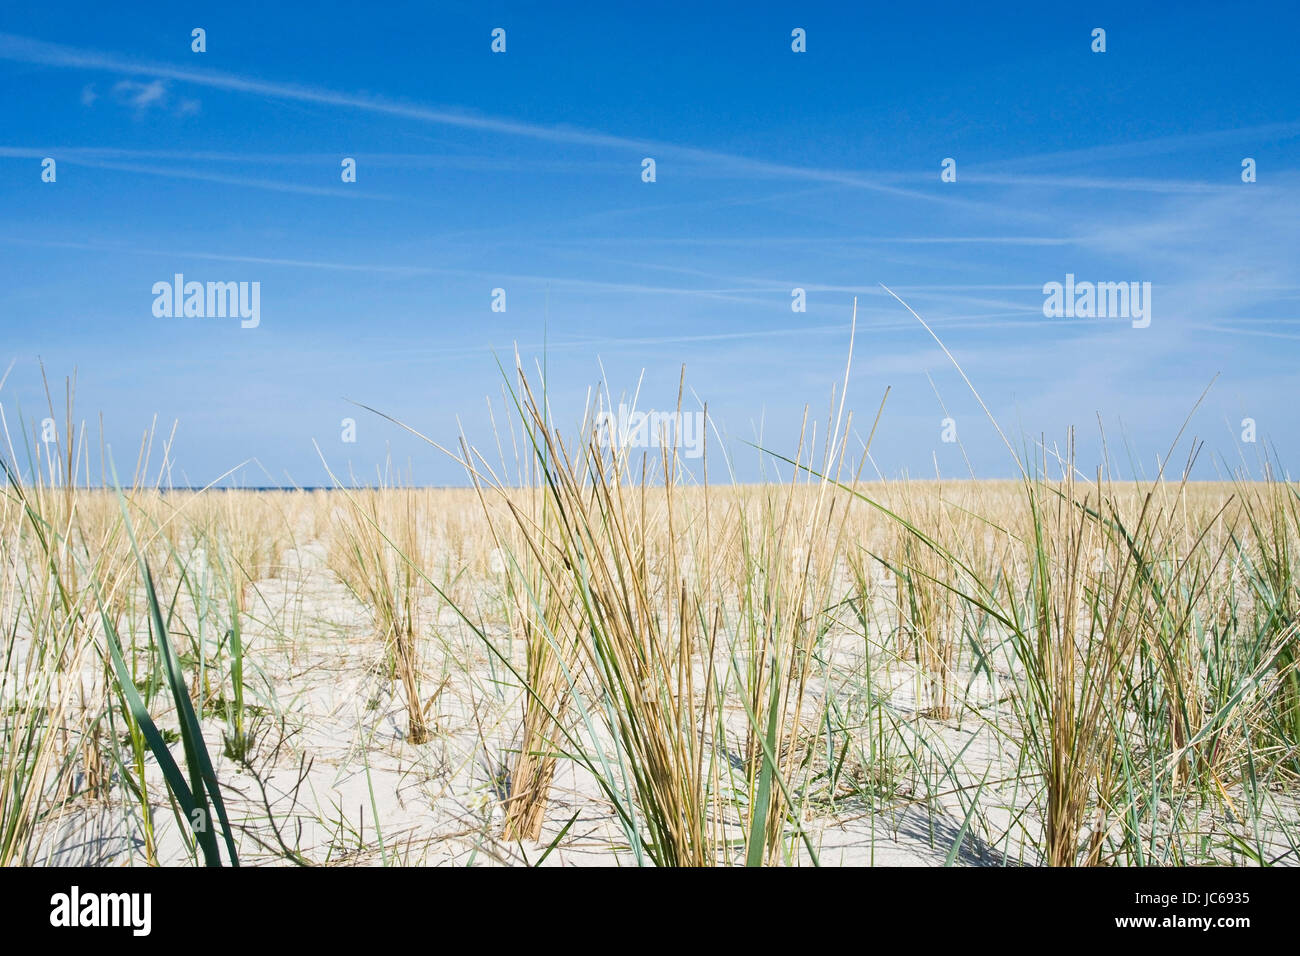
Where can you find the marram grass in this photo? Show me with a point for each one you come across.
(603, 654)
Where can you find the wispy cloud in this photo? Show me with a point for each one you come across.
(83, 158)
(1097, 182)
(140, 96)
(1157, 146)
(120, 249)
(143, 97)
(26, 50)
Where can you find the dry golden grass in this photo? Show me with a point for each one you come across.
(724, 665)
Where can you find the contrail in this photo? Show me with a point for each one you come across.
(26, 50)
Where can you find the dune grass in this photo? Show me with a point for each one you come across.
(1062, 669)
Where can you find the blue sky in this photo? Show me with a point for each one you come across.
(774, 170)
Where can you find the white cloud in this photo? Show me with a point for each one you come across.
(141, 96)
